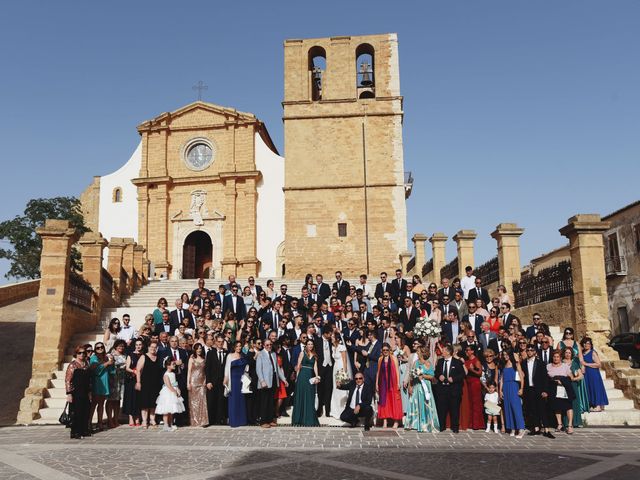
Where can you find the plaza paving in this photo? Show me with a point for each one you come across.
(40, 452)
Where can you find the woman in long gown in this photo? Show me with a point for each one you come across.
(388, 388)
(581, 402)
(234, 369)
(474, 389)
(196, 384)
(340, 362)
(406, 356)
(148, 383)
(130, 403)
(595, 386)
(510, 393)
(422, 414)
(304, 400)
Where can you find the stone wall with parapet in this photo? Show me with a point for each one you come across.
(18, 291)
(558, 312)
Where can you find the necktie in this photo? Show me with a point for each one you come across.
(180, 316)
(478, 292)
(546, 360)
(275, 376)
(446, 371)
(220, 356)
(358, 396)
(175, 355)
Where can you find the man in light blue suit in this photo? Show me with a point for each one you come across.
(269, 378)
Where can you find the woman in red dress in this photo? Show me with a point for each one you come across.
(494, 320)
(474, 389)
(388, 388)
(281, 391)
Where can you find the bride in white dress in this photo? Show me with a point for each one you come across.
(340, 361)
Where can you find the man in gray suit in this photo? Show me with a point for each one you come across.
(269, 377)
(487, 338)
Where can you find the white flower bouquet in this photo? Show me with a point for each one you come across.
(342, 378)
(415, 373)
(427, 328)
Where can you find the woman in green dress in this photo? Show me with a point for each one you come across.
(101, 366)
(422, 415)
(304, 400)
(581, 402)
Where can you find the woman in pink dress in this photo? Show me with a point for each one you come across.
(388, 388)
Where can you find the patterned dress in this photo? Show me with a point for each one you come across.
(422, 415)
(198, 414)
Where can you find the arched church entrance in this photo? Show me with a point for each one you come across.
(197, 255)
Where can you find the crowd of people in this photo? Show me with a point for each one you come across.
(424, 357)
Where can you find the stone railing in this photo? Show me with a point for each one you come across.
(17, 292)
(488, 271)
(80, 293)
(427, 268)
(411, 264)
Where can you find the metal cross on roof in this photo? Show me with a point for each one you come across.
(200, 86)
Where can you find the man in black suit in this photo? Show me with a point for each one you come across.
(409, 293)
(446, 290)
(536, 394)
(179, 313)
(324, 350)
(383, 287)
(533, 329)
(399, 286)
(445, 306)
(181, 357)
(214, 371)
(478, 292)
(284, 298)
(449, 375)
(409, 315)
(255, 289)
(475, 319)
(472, 342)
(546, 352)
(358, 403)
(507, 316)
(342, 286)
(167, 325)
(234, 303)
(218, 298)
(324, 290)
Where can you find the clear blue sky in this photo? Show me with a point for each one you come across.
(515, 110)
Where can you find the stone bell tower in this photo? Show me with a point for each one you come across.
(345, 184)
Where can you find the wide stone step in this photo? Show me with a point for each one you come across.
(620, 403)
(55, 402)
(57, 383)
(612, 418)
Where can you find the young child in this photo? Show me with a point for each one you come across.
(491, 407)
(169, 401)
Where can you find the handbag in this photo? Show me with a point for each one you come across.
(561, 392)
(65, 417)
(246, 381)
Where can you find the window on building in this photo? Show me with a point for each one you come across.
(342, 229)
(317, 67)
(117, 195)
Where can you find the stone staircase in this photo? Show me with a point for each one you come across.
(622, 386)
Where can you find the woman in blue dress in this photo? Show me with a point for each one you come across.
(234, 369)
(101, 366)
(304, 399)
(595, 386)
(422, 415)
(511, 386)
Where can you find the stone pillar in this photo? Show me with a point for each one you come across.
(138, 263)
(438, 245)
(229, 260)
(419, 240)
(464, 239)
(127, 262)
(114, 266)
(91, 246)
(508, 237)
(246, 242)
(50, 342)
(590, 301)
(404, 259)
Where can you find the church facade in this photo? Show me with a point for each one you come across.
(207, 193)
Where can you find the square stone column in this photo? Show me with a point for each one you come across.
(464, 239)
(114, 266)
(127, 262)
(438, 245)
(419, 240)
(92, 247)
(229, 261)
(139, 263)
(507, 235)
(404, 259)
(51, 336)
(590, 300)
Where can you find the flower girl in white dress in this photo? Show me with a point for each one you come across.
(170, 400)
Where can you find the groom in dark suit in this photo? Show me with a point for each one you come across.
(358, 403)
(324, 350)
(448, 389)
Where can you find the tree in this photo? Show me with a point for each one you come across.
(27, 244)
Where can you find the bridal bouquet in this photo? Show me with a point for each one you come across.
(342, 378)
(415, 372)
(427, 328)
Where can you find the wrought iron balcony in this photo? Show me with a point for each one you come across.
(615, 266)
(408, 184)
